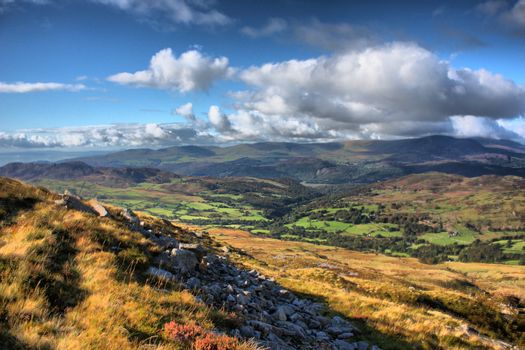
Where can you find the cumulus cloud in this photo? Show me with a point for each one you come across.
(23, 87)
(104, 136)
(393, 90)
(186, 111)
(273, 26)
(389, 90)
(218, 120)
(190, 71)
(472, 126)
(175, 11)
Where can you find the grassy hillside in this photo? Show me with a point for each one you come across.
(71, 280)
(398, 301)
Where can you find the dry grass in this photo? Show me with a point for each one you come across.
(397, 300)
(63, 286)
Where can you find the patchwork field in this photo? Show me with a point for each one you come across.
(433, 216)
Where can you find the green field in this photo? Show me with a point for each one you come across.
(398, 217)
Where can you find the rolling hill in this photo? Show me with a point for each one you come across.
(343, 162)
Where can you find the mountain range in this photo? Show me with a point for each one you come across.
(330, 163)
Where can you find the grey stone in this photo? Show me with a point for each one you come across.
(193, 283)
(247, 332)
(362, 345)
(130, 217)
(262, 327)
(334, 330)
(184, 260)
(346, 335)
(159, 273)
(75, 203)
(280, 314)
(342, 345)
(322, 336)
(98, 208)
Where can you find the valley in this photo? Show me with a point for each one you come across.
(435, 217)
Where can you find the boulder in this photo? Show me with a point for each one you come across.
(193, 283)
(98, 208)
(280, 314)
(75, 203)
(185, 261)
(247, 332)
(159, 273)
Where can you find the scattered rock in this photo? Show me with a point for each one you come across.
(273, 316)
(160, 273)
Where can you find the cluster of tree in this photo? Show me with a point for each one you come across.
(428, 253)
(353, 215)
(481, 251)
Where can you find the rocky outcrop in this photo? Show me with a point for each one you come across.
(273, 316)
(98, 208)
(74, 202)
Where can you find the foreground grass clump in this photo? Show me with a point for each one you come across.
(70, 280)
(399, 303)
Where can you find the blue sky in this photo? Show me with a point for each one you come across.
(257, 70)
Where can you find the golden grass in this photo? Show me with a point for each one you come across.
(381, 291)
(62, 287)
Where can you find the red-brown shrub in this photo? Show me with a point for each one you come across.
(212, 341)
(182, 332)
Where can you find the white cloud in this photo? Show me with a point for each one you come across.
(186, 111)
(190, 71)
(471, 126)
(22, 87)
(175, 11)
(218, 120)
(273, 26)
(398, 89)
(104, 136)
(154, 131)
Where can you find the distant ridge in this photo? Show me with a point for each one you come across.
(76, 170)
(361, 161)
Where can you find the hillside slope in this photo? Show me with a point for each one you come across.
(78, 275)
